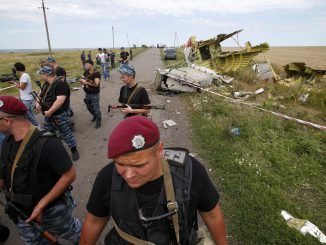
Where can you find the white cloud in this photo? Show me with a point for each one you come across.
(113, 9)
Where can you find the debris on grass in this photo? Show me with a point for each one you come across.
(303, 226)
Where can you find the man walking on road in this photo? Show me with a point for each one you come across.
(151, 194)
(124, 57)
(101, 60)
(55, 104)
(112, 57)
(132, 93)
(91, 83)
(36, 172)
(61, 73)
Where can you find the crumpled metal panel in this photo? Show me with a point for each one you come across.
(209, 53)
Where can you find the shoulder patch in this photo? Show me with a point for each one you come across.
(178, 156)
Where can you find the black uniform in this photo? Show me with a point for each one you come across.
(140, 97)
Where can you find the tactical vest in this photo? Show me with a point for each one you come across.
(125, 209)
(27, 191)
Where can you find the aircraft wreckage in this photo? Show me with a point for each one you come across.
(205, 59)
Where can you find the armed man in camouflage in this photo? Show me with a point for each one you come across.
(91, 83)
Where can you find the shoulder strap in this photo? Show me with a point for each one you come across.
(19, 153)
(172, 204)
(130, 238)
(134, 92)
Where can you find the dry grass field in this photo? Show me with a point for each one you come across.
(314, 57)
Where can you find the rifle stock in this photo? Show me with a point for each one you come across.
(39, 228)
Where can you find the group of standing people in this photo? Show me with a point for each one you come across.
(151, 194)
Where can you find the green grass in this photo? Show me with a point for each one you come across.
(70, 60)
(272, 165)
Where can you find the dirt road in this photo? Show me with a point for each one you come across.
(92, 143)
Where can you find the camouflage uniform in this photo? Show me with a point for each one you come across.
(92, 102)
(61, 122)
(92, 96)
(57, 219)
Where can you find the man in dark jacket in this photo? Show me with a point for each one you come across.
(137, 192)
(36, 172)
(55, 108)
(91, 83)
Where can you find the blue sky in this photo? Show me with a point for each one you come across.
(88, 24)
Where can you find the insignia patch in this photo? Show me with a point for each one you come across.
(175, 155)
(138, 142)
(1, 103)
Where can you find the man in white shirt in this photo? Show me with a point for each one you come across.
(25, 89)
(101, 60)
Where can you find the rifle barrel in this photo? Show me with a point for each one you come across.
(139, 106)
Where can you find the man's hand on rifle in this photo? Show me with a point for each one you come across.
(37, 213)
(47, 114)
(38, 107)
(127, 109)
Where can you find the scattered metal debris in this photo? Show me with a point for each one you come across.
(303, 98)
(300, 69)
(187, 79)
(263, 72)
(209, 53)
(304, 226)
(259, 91)
(240, 94)
(169, 123)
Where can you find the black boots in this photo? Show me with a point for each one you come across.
(75, 154)
(98, 123)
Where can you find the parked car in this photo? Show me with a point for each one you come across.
(170, 53)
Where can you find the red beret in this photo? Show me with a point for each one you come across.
(12, 105)
(135, 133)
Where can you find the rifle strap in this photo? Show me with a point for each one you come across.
(134, 92)
(172, 205)
(130, 238)
(46, 92)
(19, 154)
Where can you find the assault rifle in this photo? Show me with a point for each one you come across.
(12, 210)
(9, 77)
(137, 106)
(39, 100)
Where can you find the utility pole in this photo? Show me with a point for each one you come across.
(112, 37)
(176, 39)
(128, 41)
(46, 28)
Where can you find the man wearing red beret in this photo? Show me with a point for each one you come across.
(152, 194)
(36, 173)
